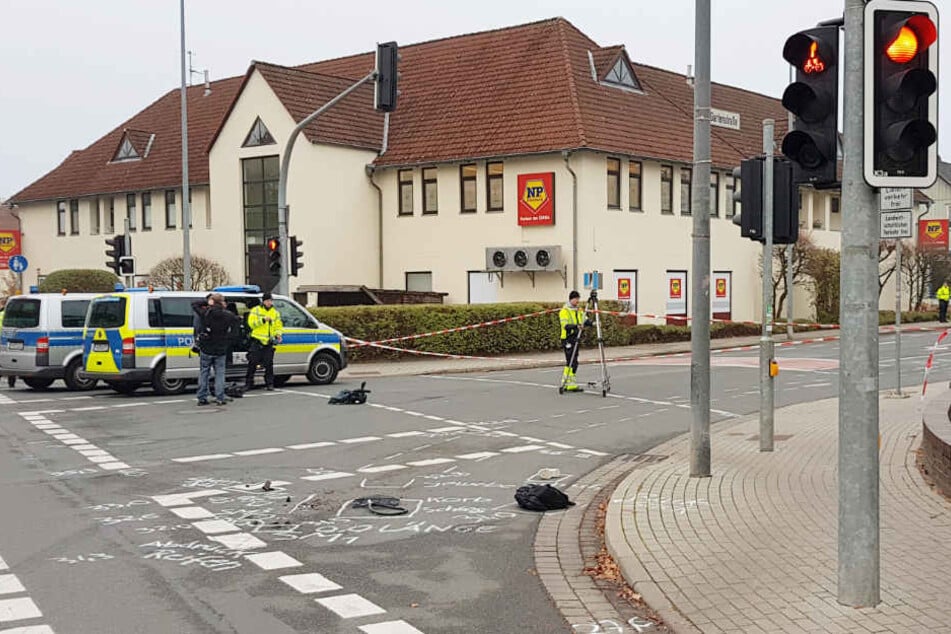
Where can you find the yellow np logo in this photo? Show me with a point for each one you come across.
(624, 287)
(7, 242)
(535, 194)
(721, 287)
(934, 230)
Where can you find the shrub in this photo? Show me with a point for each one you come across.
(79, 281)
(887, 317)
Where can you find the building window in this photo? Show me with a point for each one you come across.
(714, 194)
(834, 203)
(730, 201)
(406, 192)
(146, 211)
(61, 218)
(634, 186)
(74, 217)
(171, 212)
(493, 188)
(258, 135)
(614, 183)
(621, 75)
(467, 177)
(666, 189)
(111, 216)
(430, 191)
(420, 281)
(261, 177)
(130, 210)
(126, 150)
(94, 224)
(685, 190)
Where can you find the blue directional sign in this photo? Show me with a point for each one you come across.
(18, 264)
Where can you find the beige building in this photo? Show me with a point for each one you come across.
(522, 138)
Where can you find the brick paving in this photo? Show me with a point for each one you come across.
(753, 548)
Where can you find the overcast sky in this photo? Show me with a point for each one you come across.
(70, 71)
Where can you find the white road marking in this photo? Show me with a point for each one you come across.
(389, 627)
(431, 462)
(121, 405)
(827, 384)
(258, 452)
(405, 434)
(350, 606)
(214, 527)
(592, 452)
(442, 430)
(178, 400)
(75, 441)
(530, 439)
(238, 541)
(89, 409)
(52, 431)
(333, 475)
(561, 445)
(106, 457)
(213, 456)
(30, 629)
(3, 564)
(312, 445)
(521, 449)
(9, 584)
(113, 466)
(478, 455)
(184, 499)
(382, 468)
(310, 583)
(192, 513)
(18, 609)
(90, 453)
(273, 560)
(360, 439)
(84, 447)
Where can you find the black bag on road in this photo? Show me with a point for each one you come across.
(541, 497)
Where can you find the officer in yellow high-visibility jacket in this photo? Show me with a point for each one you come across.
(572, 318)
(266, 332)
(943, 294)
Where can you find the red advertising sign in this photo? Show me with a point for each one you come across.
(675, 288)
(9, 246)
(624, 289)
(933, 234)
(536, 199)
(721, 287)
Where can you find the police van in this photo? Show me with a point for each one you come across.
(142, 337)
(42, 339)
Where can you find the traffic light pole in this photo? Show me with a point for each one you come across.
(700, 296)
(858, 526)
(283, 210)
(766, 399)
(186, 205)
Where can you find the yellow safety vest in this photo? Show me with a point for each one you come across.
(265, 331)
(570, 316)
(944, 292)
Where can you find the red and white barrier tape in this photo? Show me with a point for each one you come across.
(443, 355)
(930, 362)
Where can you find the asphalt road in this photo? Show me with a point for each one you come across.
(147, 514)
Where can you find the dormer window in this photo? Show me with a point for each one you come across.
(259, 135)
(621, 75)
(126, 151)
(135, 145)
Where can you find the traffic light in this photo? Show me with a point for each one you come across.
(901, 99)
(274, 255)
(814, 98)
(297, 256)
(385, 87)
(115, 252)
(750, 196)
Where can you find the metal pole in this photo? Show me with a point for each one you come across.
(766, 341)
(790, 249)
(283, 209)
(700, 294)
(898, 319)
(186, 206)
(859, 545)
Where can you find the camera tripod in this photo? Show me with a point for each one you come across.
(605, 382)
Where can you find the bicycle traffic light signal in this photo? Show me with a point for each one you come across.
(901, 99)
(115, 251)
(385, 87)
(814, 98)
(274, 255)
(297, 256)
(750, 196)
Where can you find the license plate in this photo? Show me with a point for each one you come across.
(240, 358)
(100, 347)
(15, 345)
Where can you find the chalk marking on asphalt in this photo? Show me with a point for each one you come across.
(9, 584)
(310, 583)
(275, 560)
(350, 606)
(333, 475)
(192, 513)
(389, 627)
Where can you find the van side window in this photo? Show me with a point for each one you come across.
(155, 314)
(177, 311)
(74, 313)
(292, 316)
(22, 313)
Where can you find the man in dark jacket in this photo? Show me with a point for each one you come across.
(214, 340)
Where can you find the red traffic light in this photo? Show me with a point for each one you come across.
(915, 34)
(810, 53)
(273, 244)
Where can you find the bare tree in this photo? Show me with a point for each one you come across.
(205, 274)
(887, 265)
(802, 252)
(922, 269)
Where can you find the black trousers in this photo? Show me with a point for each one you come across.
(260, 355)
(571, 359)
(942, 310)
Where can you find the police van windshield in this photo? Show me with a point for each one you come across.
(106, 312)
(22, 313)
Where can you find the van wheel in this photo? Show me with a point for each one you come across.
(323, 369)
(73, 380)
(281, 380)
(38, 384)
(165, 386)
(123, 387)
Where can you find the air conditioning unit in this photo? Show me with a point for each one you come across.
(545, 258)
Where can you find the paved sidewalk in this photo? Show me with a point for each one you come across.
(753, 548)
(441, 365)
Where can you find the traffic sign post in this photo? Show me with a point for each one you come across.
(895, 204)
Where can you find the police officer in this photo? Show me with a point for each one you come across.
(572, 318)
(266, 332)
(943, 294)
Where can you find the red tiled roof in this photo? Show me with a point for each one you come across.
(518, 90)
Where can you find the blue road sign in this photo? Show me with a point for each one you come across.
(18, 264)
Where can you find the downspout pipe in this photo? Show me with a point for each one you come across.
(574, 220)
(371, 172)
